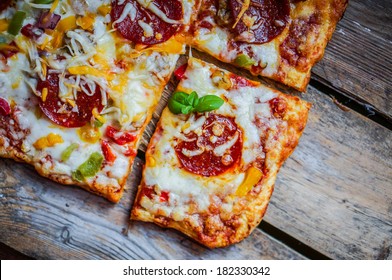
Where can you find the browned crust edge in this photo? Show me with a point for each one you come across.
(332, 11)
(256, 205)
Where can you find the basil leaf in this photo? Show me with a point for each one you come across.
(177, 101)
(208, 103)
(183, 103)
(244, 60)
(193, 99)
(186, 110)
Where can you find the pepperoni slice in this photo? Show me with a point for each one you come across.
(143, 26)
(215, 151)
(63, 113)
(263, 20)
(4, 4)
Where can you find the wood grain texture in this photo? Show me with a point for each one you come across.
(45, 220)
(335, 192)
(357, 61)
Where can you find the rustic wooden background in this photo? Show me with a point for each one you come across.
(332, 199)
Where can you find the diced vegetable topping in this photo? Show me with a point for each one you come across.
(243, 60)
(89, 168)
(86, 22)
(31, 31)
(43, 1)
(121, 138)
(48, 141)
(97, 123)
(68, 151)
(89, 134)
(183, 103)
(3, 25)
(164, 196)
(16, 23)
(252, 177)
(5, 108)
(180, 71)
(221, 79)
(48, 21)
(108, 152)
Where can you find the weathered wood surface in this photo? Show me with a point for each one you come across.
(45, 220)
(358, 60)
(335, 192)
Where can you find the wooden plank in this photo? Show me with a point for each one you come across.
(357, 61)
(335, 192)
(48, 221)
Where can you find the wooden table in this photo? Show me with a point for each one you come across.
(332, 199)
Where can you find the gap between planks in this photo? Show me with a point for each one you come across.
(357, 61)
(329, 115)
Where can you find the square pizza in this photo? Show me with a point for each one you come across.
(212, 162)
(79, 81)
(278, 39)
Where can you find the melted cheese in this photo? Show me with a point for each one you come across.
(91, 56)
(222, 149)
(162, 169)
(147, 29)
(216, 41)
(148, 4)
(129, 10)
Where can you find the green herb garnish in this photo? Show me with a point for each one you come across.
(183, 103)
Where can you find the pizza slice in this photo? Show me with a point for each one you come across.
(213, 159)
(278, 39)
(79, 81)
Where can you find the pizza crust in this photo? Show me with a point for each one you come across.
(214, 226)
(133, 94)
(289, 57)
(313, 40)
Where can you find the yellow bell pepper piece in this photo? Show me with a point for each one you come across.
(3, 25)
(50, 140)
(66, 24)
(104, 10)
(89, 134)
(86, 22)
(252, 177)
